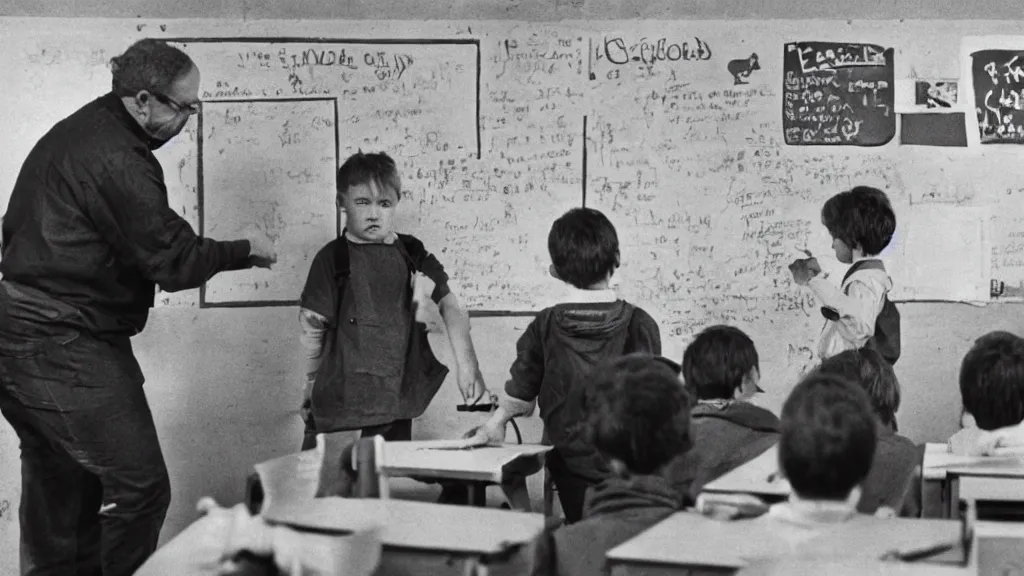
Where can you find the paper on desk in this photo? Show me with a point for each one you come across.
(459, 444)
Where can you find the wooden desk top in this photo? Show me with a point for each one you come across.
(417, 525)
(938, 463)
(753, 477)
(295, 477)
(688, 539)
(485, 463)
(812, 567)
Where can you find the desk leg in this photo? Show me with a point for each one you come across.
(518, 494)
(478, 494)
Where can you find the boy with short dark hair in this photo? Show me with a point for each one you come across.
(992, 391)
(720, 368)
(892, 481)
(858, 313)
(559, 349)
(370, 366)
(826, 449)
(637, 417)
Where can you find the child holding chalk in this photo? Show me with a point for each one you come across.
(857, 314)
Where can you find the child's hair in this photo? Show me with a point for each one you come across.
(376, 167)
(637, 412)
(992, 380)
(584, 247)
(715, 363)
(828, 437)
(867, 368)
(861, 216)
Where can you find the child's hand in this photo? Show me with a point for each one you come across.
(803, 269)
(492, 432)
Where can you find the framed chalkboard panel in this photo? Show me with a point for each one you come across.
(999, 95)
(838, 93)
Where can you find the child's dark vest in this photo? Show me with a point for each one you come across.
(886, 338)
(423, 373)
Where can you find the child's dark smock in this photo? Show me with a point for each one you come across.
(378, 366)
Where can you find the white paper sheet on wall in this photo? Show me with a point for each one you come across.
(943, 252)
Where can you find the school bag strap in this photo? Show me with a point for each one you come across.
(408, 246)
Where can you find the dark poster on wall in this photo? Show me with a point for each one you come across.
(999, 95)
(838, 93)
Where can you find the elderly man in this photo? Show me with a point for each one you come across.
(87, 235)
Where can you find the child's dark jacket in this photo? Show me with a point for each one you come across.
(724, 437)
(555, 357)
(617, 510)
(892, 479)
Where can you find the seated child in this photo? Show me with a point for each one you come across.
(558, 350)
(826, 449)
(992, 391)
(637, 417)
(859, 313)
(370, 365)
(893, 479)
(720, 368)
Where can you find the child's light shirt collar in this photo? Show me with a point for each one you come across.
(391, 238)
(812, 512)
(573, 295)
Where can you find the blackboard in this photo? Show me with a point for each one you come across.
(838, 93)
(999, 95)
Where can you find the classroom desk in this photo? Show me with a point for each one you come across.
(760, 477)
(982, 478)
(424, 538)
(296, 476)
(690, 544)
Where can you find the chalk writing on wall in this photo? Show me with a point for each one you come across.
(410, 98)
(999, 95)
(488, 219)
(268, 171)
(838, 94)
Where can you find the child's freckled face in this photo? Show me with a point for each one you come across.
(370, 211)
(843, 252)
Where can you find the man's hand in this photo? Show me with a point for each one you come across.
(261, 252)
(471, 384)
(804, 269)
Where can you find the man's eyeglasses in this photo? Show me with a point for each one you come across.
(179, 107)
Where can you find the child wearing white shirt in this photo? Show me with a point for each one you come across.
(858, 313)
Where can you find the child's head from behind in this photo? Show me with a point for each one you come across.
(828, 437)
(584, 248)
(721, 364)
(859, 220)
(369, 188)
(992, 380)
(637, 414)
(867, 368)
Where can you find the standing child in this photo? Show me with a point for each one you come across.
(859, 313)
(559, 349)
(370, 366)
